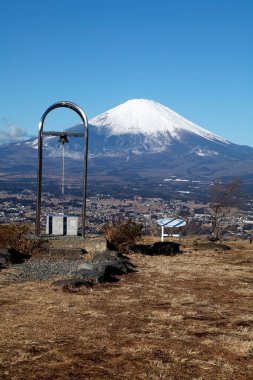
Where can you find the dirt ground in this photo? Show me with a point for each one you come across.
(187, 316)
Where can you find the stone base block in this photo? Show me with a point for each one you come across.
(62, 225)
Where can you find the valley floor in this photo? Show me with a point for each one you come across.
(186, 316)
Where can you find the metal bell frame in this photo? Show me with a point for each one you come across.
(41, 133)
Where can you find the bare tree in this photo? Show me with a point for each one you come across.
(192, 227)
(224, 198)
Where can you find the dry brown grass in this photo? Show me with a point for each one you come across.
(181, 317)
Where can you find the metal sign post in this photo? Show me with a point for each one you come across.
(83, 117)
(170, 223)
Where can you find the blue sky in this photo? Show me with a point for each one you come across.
(194, 56)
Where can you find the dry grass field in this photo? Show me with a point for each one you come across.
(186, 316)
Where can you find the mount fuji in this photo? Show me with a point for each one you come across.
(141, 125)
(138, 139)
(141, 116)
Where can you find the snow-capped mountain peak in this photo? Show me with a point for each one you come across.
(147, 117)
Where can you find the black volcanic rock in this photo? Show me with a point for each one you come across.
(165, 248)
(103, 267)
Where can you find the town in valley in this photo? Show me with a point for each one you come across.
(185, 198)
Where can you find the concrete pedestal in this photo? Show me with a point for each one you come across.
(62, 225)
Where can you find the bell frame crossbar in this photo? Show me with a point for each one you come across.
(41, 133)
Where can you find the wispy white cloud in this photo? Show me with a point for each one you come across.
(12, 133)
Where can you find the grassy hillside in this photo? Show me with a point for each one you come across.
(182, 317)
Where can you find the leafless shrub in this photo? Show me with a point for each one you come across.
(16, 236)
(122, 234)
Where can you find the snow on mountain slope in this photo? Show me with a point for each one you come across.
(142, 116)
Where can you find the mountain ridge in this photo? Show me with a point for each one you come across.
(134, 140)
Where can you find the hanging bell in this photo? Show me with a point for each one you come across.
(63, 139)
